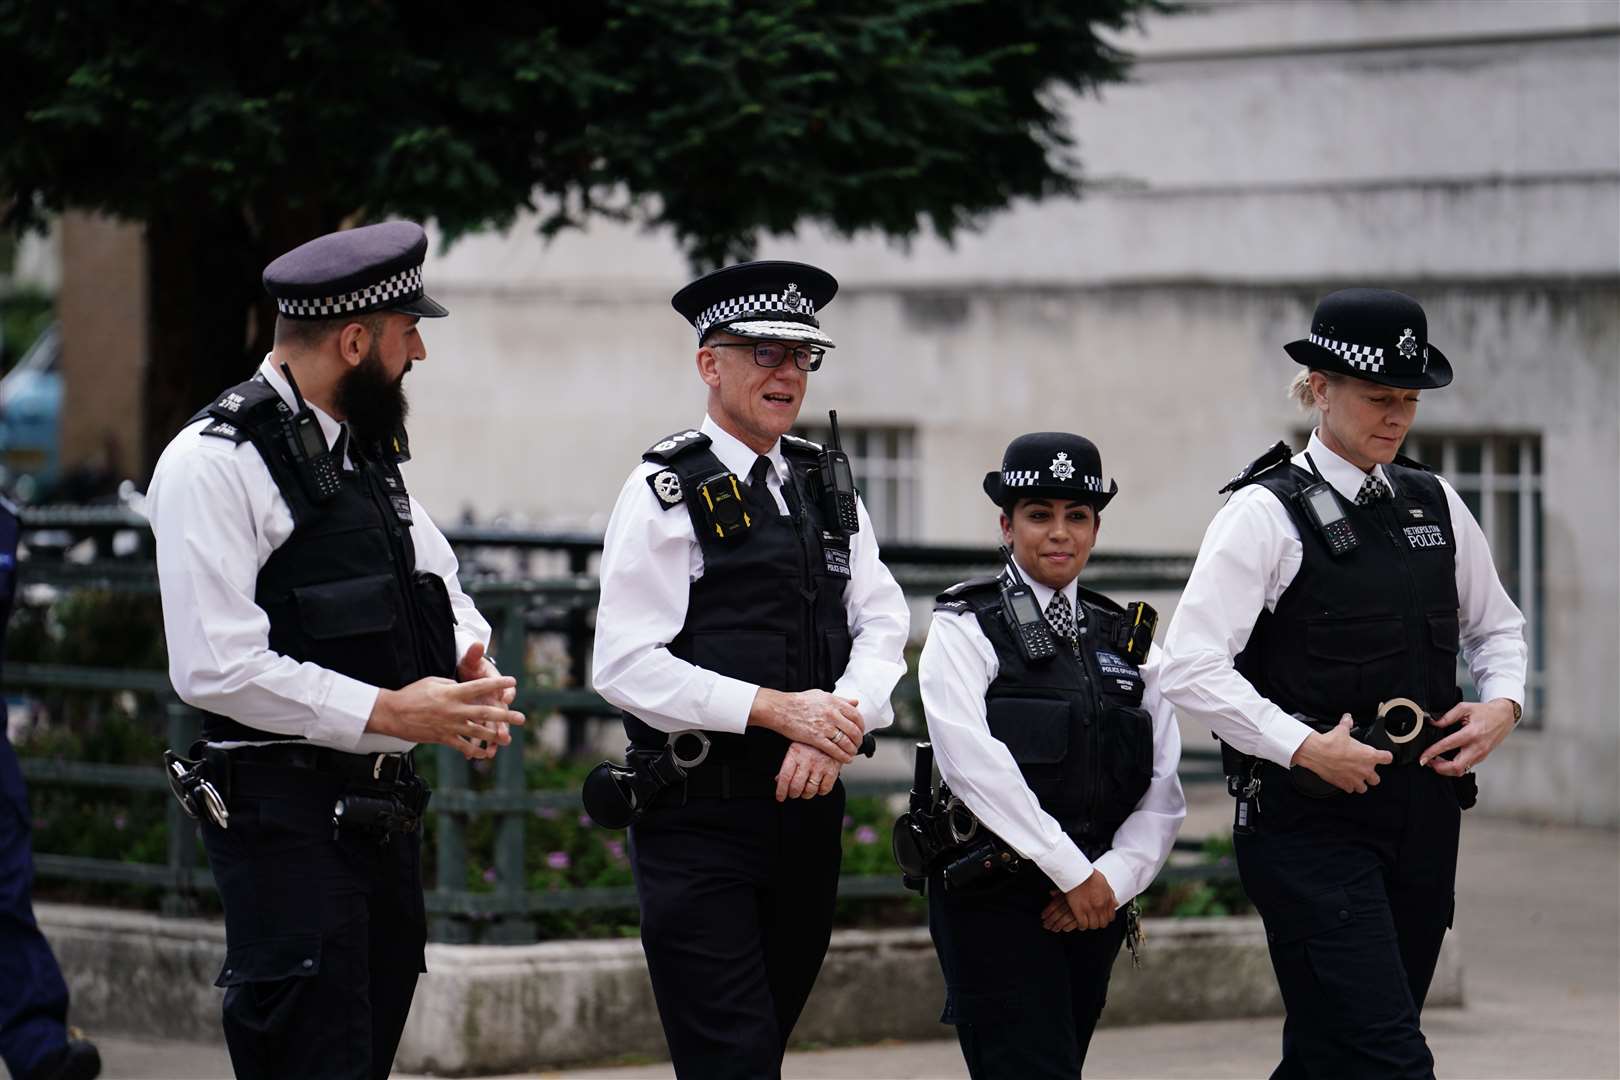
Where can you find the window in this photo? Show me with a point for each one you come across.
(884, 460)
(1499, 478)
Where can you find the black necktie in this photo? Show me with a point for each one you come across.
(758, 485)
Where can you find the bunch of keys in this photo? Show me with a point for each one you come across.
(1133, 933)
(193, 791)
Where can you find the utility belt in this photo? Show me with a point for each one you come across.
(1400, 726)
(617, 795)
(374, 795)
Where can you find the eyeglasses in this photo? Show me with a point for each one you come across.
(770, 354)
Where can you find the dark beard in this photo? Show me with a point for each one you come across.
(372, 404)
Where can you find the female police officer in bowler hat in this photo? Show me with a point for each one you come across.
(1334, 583)
(1068, 759)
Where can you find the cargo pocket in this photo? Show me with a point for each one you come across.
(1445, 639)
(349, 627)
(1036, 731)
(1356, 662)
(436, 627)
(836, 645)
(1127, 749)
(1335, 960)
(264, 980)
(756, 656)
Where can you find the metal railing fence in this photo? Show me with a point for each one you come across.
(71, 550)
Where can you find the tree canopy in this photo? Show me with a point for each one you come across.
(238, 129)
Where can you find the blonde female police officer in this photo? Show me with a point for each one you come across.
(1334, 581)
(1070, 761)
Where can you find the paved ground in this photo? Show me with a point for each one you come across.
(1539, 923)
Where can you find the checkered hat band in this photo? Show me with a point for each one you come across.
(405, 285)
(1030, 477)
(752, 306)
(1360, 357)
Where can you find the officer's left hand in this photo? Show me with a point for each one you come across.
(1484, 724)
(475, 665)
(806, 772)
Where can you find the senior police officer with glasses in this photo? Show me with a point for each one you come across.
(1045, 715)
(313, 612)
(1318, 638)
(752, 637)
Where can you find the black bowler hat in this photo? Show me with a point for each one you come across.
(764, 299)
(372, 268)
(1373, 334)
(1050, 465)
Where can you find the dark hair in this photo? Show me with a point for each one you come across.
(308, 333)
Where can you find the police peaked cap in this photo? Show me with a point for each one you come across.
(1050, 465)
(1373, 334)
(353, 272)
(764, 299)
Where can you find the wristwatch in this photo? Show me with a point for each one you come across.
(1518, 711)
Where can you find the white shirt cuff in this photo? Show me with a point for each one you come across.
(342, 718)
(728, 703)
(1282, 739)
(466, 639)
(1491, 689)
(1065, 864)
(1114, 871)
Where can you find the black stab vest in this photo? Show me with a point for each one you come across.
(1075, 723)
(342, 591)
(769, 608)
(1378, 622)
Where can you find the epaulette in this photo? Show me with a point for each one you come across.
(1411, 463)
(235, 412)
(670, 447)
(960, 597)
(792, 445)
(224, 429)
(666, 486)
(1277, 455)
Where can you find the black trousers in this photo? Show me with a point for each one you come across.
(33, 997)
(324, 937)
(1357, 892)
(737, 903)
(1024, 1000)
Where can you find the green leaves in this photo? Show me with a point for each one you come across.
(719, 119)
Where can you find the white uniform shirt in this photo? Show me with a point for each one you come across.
(218, 515)
(957, 667)
(651, 556)
(1251, 554)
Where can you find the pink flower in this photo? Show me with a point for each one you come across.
(558, 860)
(866, 835)
(489, 875)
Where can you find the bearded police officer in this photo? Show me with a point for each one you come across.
(1045, 717)
(750, 633)
(1318, 638)
(312, 610)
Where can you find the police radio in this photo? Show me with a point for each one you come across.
(1321, 505)
(837, 484)
(1023, 612)
(318, 467)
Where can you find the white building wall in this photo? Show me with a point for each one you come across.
(1264, 153)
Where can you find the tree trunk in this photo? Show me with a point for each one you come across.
(211, 321)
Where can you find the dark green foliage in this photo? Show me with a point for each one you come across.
(716, 118)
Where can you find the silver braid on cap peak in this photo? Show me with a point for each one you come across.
(405, 285)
